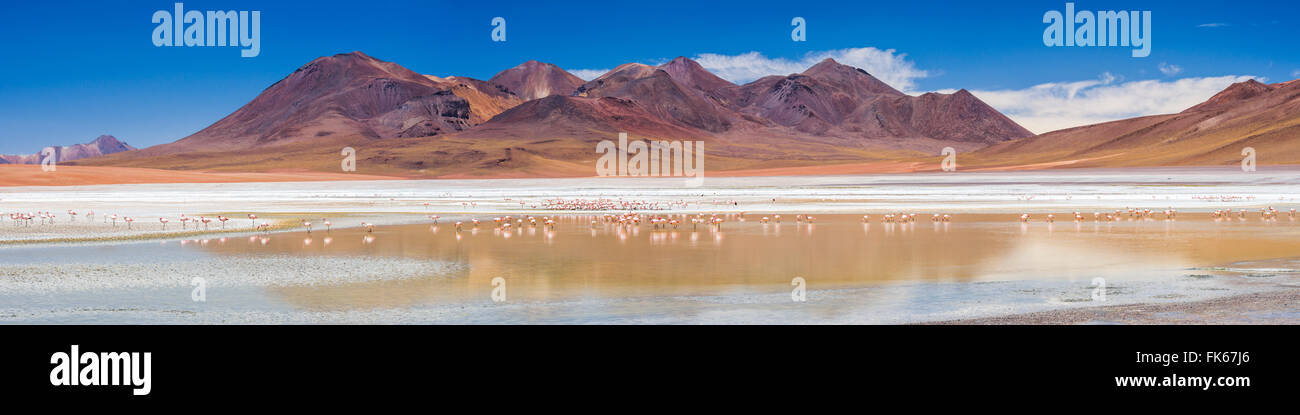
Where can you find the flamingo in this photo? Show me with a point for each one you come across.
(164, 223)
(128, 221)
(223, 220)
(307, 224)
(72, 216)
(205, 222)
(252, 218)
(1024, 217)
(1051, 218)
(370, 227)
(434, 218)
(114, 220)
(327, 224)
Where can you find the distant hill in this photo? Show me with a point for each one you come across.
(105, 144)
(1246, 114)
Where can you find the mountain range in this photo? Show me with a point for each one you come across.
(105, 144)
(538, 120)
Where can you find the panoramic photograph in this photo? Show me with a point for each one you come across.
(1039, 162)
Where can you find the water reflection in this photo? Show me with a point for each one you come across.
(589, 256)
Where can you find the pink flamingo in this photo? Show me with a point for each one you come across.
(164, 223)
(128, 221)
(223, 220)
(252, 218)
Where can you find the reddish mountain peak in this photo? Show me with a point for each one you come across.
(532, 80)
(352, 67)
(1233, 95)
(848, 78)
(109, 144)
(690, 74)
(615, 79)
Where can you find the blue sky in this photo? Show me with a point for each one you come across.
(78, 69)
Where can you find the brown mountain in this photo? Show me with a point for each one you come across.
(1246, 114)
(349, 94)
(832, 99)
(691, 75)
(680, 91)
(105, 144)
(532, 80)
(583, 118)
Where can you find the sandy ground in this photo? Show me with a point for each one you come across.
(32, 175)
(1273, 307)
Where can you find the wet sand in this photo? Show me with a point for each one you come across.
(1273, 307)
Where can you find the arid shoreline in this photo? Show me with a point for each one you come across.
(1272, 307)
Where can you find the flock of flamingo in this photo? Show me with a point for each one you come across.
(633, 218)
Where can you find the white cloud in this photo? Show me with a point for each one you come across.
(1169, 70)
(1212, 25)
(1295, 74)
(588, 74)
(887, 65)
(1059, 105)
